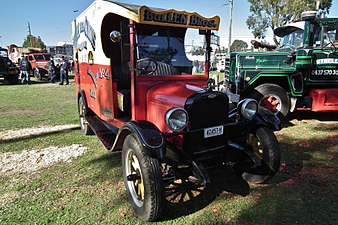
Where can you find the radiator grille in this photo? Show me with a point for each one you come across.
(205, 111)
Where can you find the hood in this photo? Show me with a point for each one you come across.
(172, 94)
(165, 96)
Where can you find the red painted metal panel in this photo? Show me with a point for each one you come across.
(324, 99)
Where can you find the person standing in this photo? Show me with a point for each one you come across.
(25, 68)
(51, 69)
(64, 71)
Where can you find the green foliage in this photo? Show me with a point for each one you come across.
(35, 42)
(238, 46)
(275, 13)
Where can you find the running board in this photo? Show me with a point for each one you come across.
(106, 136)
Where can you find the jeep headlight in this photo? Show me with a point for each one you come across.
(176, 119)
(248, 108)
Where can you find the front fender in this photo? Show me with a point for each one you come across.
(267, 118)
(148, 134)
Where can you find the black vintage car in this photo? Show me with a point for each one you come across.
(8, 70)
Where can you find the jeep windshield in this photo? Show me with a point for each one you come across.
(166, 47)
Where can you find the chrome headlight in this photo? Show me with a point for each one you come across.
(248, 108)
(176, 119)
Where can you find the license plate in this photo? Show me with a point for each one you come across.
(213, 131)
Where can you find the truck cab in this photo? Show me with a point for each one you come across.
(301, 74)
(39, 64)
(8, 70)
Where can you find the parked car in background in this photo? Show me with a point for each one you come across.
(8, 70)
(39, 63)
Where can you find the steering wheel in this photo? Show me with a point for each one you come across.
(146, 66)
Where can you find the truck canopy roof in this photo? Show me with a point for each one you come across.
(157, 16)
(131, 7)
(289, 28)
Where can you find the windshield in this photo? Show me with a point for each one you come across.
(42, 57)
(293, 40)
(3, 53)
(325, 36)
(167, 48)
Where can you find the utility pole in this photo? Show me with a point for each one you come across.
(30, 34)
(230, 25)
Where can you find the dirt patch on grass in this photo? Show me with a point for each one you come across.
(321, 176)
(29, 132)
(33, 160)
(18, 112)
(30, 161)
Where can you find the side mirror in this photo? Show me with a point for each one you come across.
(115, 36)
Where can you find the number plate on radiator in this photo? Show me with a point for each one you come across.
(213, 131)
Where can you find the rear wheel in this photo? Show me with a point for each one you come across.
(265, 148)
(274, 98)
(143, 180)
(83, 112)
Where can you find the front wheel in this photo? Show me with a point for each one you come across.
(83, 112)
(264, 145)
(37, 74)
(142, 179)
(274, 98)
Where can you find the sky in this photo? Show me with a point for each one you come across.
(51, 20)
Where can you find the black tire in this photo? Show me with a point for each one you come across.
(37, 74)
(13, 79)
(264, 91)
(83, 112)
(265, 147)
(142, 179)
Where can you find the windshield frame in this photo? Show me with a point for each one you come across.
(167, 46)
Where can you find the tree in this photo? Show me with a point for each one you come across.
(32, 41)
(275, 13)
(238, 46)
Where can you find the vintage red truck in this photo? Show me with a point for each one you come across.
(37, 58)
(137, 92)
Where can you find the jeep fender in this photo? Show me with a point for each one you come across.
(148, 135)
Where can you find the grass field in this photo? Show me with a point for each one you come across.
(89, 189)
